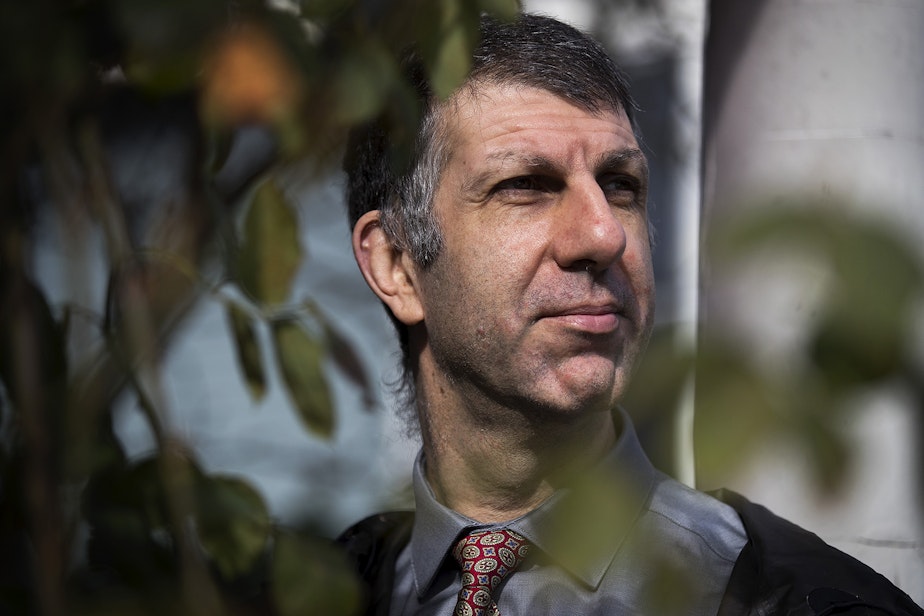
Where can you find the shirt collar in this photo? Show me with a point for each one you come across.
(599, 511)
(436, 529)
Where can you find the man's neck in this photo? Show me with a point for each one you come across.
(497, 464)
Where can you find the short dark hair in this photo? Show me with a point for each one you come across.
(532, 50)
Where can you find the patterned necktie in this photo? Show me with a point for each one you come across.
(486, 558)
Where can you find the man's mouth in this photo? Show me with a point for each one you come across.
(589, 318)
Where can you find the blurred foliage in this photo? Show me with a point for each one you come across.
(270, 254)
(86, 530)
(96, 93)
(858, 334)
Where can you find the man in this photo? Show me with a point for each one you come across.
(514, 257)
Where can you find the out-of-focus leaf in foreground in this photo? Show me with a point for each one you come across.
(736, 409)
(344, 354)
(124, 508)
(859, 335)
(163, 40)
(312, 577)
(247, 349)
(502, 9)
(299, 357)
(862, 333)
(233, 523)
(363, 82)
(270, 252)
(451, 59)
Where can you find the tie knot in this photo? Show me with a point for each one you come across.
(486, 558)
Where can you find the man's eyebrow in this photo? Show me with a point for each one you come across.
(623, 158)
(535, 163)
(523, 162)
(529, 162)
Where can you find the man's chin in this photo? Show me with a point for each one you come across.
(577, 397)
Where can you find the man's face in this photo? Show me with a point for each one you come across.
(543, 294)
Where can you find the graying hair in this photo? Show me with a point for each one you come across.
(399, 176)
(407, 217)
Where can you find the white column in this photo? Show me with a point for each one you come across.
(823, 98)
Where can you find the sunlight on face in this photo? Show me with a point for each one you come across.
(544, 294)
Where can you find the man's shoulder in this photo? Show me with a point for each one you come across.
(699, 517)
(383, 523)
(373, 545)
(783, 568)
(377, 536)
(787, 569)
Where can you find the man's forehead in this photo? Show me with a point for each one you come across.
(502, 120)
(470, 100)
(529, 159)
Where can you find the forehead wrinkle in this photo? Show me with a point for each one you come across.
(525, 160)
(618, 159)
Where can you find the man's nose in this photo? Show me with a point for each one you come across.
(588, 233)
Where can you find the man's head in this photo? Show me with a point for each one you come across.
(543, 119)
(534, 51)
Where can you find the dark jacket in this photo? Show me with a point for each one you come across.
(783, 569)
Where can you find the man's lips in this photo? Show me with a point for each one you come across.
(593, 319)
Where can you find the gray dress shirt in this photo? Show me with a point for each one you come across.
(627, 540)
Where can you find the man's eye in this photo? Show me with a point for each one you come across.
(620, 187)
(525, 182)
(617, 183)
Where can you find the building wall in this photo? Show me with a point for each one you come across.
(821, 100)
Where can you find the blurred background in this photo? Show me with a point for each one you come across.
(178, 282)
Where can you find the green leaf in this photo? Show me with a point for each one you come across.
(299, 357)
(312, 577)
(156, 28)
(163, 76)
(247, 347)
(853, 348)
(452, 60)
(362, 83)
(126, 500)
(506, 10)
(233, 523)
(668, 589)
(164, 40)
(344, 355)
(319, 9)
(660, 376)
(827, 449)
(125, 511)
(348, 361)
(736, 409)
(876, 279)
(270, 254)
(658, 384)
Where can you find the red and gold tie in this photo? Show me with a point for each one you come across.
(486, 558)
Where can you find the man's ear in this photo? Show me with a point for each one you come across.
(389, 272)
